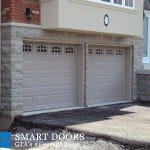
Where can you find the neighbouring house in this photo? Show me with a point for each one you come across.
(146, 27)
(66, 54)
(143, 75)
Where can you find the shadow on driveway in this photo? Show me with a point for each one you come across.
(73, 117)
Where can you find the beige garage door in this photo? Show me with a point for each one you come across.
(49, 76)
(105, 75)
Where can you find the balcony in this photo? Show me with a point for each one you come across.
(87, 16)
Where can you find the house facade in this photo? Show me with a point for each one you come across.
(146, 29)
(143, 76)
(66, 54)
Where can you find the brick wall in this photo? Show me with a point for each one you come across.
(143, 85)
(14, 11)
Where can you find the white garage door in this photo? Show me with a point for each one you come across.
(105, 75)
(49, 76)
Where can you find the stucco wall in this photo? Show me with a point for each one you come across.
(87, 16)
(12, 58)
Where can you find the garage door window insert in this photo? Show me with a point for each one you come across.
(56, 50)
(42, 48)
(69, 50)
(27, 47)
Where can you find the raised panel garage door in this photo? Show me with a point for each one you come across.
(105, 75)
(49, 76)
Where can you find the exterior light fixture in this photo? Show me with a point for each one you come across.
(106, 20)
(29, 13)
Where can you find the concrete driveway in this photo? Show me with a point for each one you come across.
(127, 123)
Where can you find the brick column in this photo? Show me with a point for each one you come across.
(12, 58)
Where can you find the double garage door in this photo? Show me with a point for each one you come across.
(50, 76)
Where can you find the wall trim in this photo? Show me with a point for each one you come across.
(21, 25)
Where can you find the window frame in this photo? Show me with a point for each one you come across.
(146, 60)
(112, 3)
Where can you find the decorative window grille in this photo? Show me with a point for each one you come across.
(90, 51)
(109, 52)
(99, 51)
(56, 49)
(42, 48)
(27, 47)
(69, 50)
(119, 52)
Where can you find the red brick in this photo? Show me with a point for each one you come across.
(14, 11)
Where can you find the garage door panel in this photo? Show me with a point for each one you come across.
(65, 63)
(27, 92)
(58, 65)
(105, 101)
(104, 80)
(103, 93)
(27, 82)
(28, 74)
(60, 90)
(42, 100)
(39, 74)
(56, 82)
(105, 86)
(53, 77)
(28, 66)
(50, 73)
(40, 82)
(57, 99)
(103, 65)
(45, 91)
(102, 60)
(105, 75)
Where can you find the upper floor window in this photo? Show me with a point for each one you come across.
(120, 3)
(146, 41)
(129, 3)
(106, 0)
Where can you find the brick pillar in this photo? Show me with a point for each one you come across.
(12, 58)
